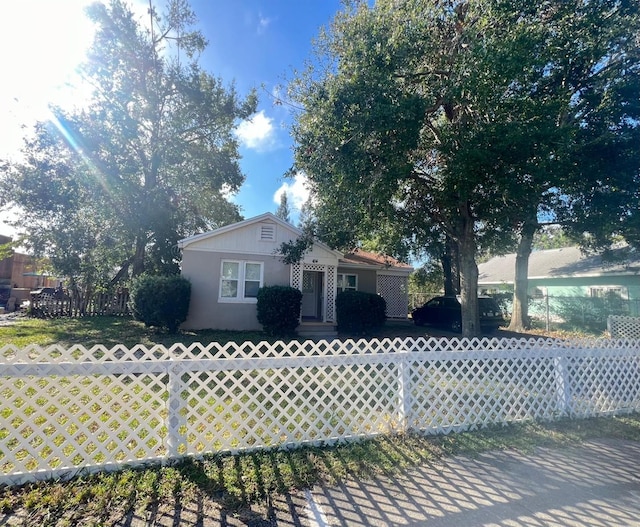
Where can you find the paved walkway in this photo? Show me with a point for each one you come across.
(596, 484)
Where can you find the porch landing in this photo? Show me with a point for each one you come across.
(317, 330)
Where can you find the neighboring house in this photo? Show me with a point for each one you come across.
(19, 275)
(567, 272)
(227, 266)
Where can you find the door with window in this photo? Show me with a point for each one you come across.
(312, 287)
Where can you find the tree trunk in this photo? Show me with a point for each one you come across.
(445, 261)
(520, 311)
(455, 266)
(468, 275)
(451, 268)
(138, 258)
(122, 272)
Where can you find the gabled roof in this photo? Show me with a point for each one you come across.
(231, 227)
(560, 263)
(246, 223)
(359, 257)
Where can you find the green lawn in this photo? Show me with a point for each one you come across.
(109, 331)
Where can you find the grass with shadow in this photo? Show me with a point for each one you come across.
(236, 481)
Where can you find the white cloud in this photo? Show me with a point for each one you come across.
(257, 132)
(263, 24)
(297, 191)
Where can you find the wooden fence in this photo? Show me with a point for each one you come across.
(52, 305)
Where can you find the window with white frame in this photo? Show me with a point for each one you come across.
(240, 281)
(614, 299)
(347, 282)
(609, 292)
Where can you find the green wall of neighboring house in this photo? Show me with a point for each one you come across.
(580, 288)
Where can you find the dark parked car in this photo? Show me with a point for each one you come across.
(446, 311)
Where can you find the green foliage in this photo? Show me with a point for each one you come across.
(360, 312)
(552, 237)
(469, 119)
(429, 277)
(107, 190)
(161, 301)
(284, 212)
(306, 218)
(293, 252)
(279, 309)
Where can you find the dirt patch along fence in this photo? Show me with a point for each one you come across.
(67, 411)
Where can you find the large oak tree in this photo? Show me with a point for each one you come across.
(463, 116)
(106, 190)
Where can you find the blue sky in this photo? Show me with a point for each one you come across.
(259, 44)
(253, 43)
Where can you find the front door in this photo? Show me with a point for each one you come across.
(312, 284)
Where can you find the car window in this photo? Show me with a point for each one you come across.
(451, 303)
(434, 303)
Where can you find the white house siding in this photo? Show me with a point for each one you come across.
(202, 268)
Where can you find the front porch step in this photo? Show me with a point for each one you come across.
(317, 330)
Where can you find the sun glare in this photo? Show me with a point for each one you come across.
(42, 43)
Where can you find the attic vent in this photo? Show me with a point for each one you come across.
(267, 232)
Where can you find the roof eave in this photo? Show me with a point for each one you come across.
(377, 267)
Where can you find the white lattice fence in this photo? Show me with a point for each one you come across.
(78, 409)
(620, 327)
(395, 293)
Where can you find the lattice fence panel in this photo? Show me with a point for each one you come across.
(296, 276)
(332, 276)
(232, 410)
(394, 290)
(66, 410)
(460, 393)
(64, 422)
(606, 384)
(621, 327)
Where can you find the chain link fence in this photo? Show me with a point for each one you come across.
(573, 312)
(588, 314)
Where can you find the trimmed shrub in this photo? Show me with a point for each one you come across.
(279, 309)
(360, 312)
(160, 301)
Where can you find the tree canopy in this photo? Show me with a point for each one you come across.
(106, 190)
(463, 119)
(284, 211)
